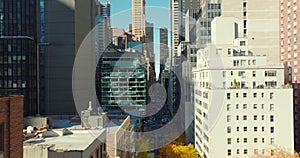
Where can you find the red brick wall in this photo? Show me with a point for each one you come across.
(11, 115)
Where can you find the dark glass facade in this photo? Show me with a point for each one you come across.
(18, 51)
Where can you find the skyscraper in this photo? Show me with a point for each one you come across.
(67, 22)
(289, 54)
(138, 19)
(18, 51)
(123, 89)
(103, 28)
(178, 11)
(163, 45)
(258, 23)
(209, 10)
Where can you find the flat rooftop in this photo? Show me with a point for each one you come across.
(74, 140)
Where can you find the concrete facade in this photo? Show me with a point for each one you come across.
(67, 22)
(253, 112)
(259, 23)
(11, 126)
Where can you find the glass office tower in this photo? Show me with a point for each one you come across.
(122, 89)
(18, 51)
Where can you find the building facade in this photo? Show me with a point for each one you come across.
(75, 19)
(138, 19)
(260, 23)
(209, 10)
(103, 28)
(178, 11)
(123, 83)
(11, 126)
(163, 44)
(289, 47)
(250, 115)
(18, 52)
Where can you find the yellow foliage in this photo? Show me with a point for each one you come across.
(178, 151)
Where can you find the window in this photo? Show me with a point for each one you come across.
(263, 140)
(254, 95)
(271, 107)
(262, 106)
(272, 118)
(245, 151)
(245, 117)
(255, 129)
(253, 73)
(255, 117)
(271, 95)
(242, 43)
(228, 129)
(237, 117)
(237, 129)
(229, 152)
(272, 152)
(228, 140)
(228, 95)
(270, 73)
(255, 140)
(228, 107)
(224, 73)
(245, 129)
(245, 95)
(272, 140)
(237, 140)
(237, 151)
(244, 106)
(254, 106)
(245, 140)
(1, 137)
(271, 129)
(262, 95)
(263, 129)
(237, 95)
(237, 106)
(228, 118)
(262, 117)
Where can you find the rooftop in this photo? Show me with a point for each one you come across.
(74, 140)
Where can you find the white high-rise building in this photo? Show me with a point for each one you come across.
(242, 106)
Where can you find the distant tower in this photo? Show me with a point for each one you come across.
(138, 19)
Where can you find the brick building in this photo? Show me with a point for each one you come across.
(11, 126)
(289, 54)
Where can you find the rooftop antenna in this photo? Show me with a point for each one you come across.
(90, 106)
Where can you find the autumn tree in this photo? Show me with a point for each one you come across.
(178, 151)
(142, 144)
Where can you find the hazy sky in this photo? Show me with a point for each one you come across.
(157, 12)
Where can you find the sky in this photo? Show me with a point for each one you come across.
(157, 12)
